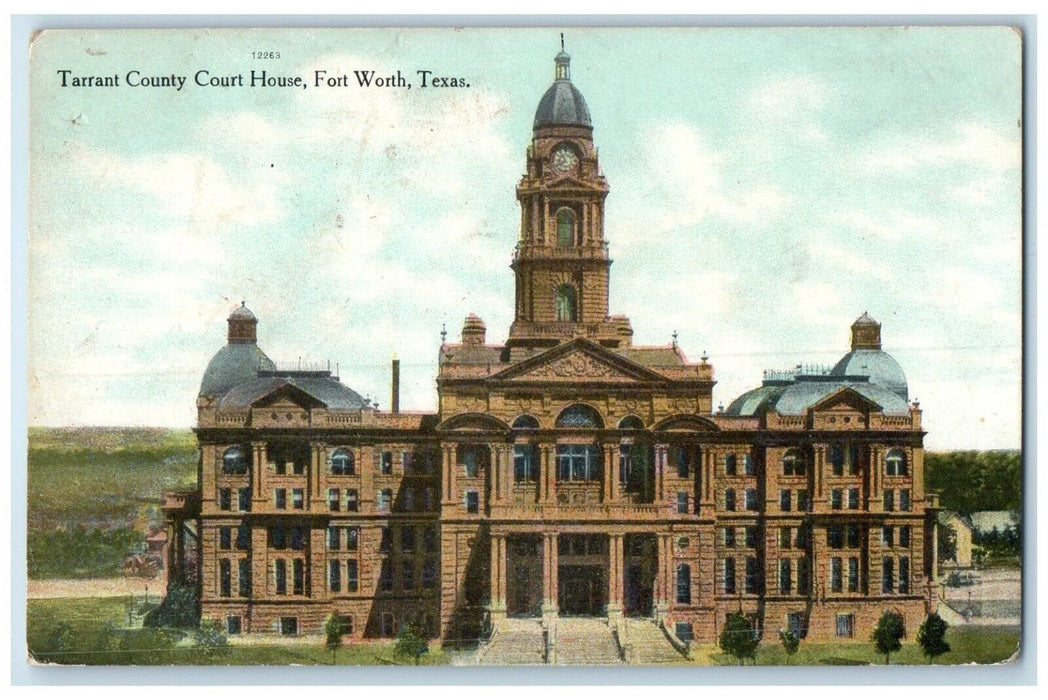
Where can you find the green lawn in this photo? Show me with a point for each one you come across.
(106, 483)
(91, 640)
(981, 645)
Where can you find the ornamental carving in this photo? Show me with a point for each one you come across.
(682, 405)
(575, 366)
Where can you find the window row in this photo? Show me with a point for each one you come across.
(788, 582)
(293, 459)
(843, 460)
(226, 499)
(750, 501)
(750, 538)
(226, 567)
(407, 570)
(888, 577)
(751, 580)
(240, 535)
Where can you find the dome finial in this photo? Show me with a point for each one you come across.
(562, 41)
(562, 63)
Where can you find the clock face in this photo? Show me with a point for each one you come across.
(564, 159)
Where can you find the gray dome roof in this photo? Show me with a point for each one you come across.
(797, 397)
(333, 394)
(879, 366)
(748, 403)
(562, 104)
(233, 364)
(242, 313)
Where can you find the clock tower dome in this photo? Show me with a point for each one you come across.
(561, 262)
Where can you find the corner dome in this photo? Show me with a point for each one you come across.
(882, 369)
(563, 104)
(234, 364)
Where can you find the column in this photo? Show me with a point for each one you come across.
(317, 474)
(448, 473)
(546, 474)
(819, 469)
(259, 470)
(497, 604)
(609, 475)
(549, 574)
(611, 453)
(661, 459)
(615, 575)
(876, 471)
(661, 582)
(709, 460)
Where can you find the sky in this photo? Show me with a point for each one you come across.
(768, 186)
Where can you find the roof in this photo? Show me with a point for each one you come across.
(325, 389)
(242, 313)
(944, 517)
(651, 356)
(881, 368)
(562, 104)
(797, 397)
(234, 364)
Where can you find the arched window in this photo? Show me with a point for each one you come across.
(794, 463)
(526, 422)
(684, 584)
(579, 416)
(567, 303)
(234, 461)
(895, 463)
(631, 423)
(565, 228)
(731, 465)
(342, 462)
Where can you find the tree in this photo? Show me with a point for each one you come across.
(334, 628)
(738, 638)
(410, 644)
(888, 634)
(790, 643)
(932, 636)
(211, 639)
(947, 543)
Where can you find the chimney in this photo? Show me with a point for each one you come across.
(395, 390)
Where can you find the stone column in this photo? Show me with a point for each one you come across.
(661, 459)
(819, 469)
(709, 460)
(547, 475)
(317, 476)
(549, 574)
(611, 453)
(876, 475)
(448, 473)
(615, 575)
(260, 472)
(497, 605)
(665, 553)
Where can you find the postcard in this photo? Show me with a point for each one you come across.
(671, 346)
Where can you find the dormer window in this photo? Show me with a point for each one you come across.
(565, 228)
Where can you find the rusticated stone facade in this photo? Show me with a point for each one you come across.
(566, 470)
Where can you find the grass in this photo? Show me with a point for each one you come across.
(98, 480)
(980, 645)
(92, 637)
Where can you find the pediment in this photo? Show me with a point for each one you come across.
(287, 397)
(578, 361)
(846, 400)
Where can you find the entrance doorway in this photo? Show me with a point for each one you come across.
(641, 559)
(524, 576)
(583, 590)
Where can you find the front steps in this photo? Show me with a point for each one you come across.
(648, 644)
(514, 642)
(585, 641)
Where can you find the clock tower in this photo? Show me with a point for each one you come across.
(561, 262)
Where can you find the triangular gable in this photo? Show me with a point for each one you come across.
(577, 360)
(287, 395)
(846, 398)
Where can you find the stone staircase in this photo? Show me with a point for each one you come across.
(514, 642)
(648, 645)
(584, 641)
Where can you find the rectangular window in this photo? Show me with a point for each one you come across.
(729, 575)
(430, 539)
(729, 537)
(243, 537)
(280, 576)
(684, 631)
(407, 539)
(887, 575)
(785, 538)
(386, 626)
(225, 577)
(429, 574)
(836, 499)
(298, 467)
(408, 495)
(233, 624)
(730, 465)
(889, 500)
(682, 503)
(683, 584)
(385, 579)
(836, 574)
(406, 460)
(351, 501)
(845, 626)
(352, 539)
(352, 580)
(748, 467)
(407, 575)
(904, 574)
(383, 500)
(298, 499)
(803, 576)
(795, 624)
(289, 626)
(244, 499)
(785, 576)
(334, 576)
(386, 463)
(854, 536)
(386, 541)
(888, 536)
(853, 460)
(751, 500)
(225, 501)
(751, 536)
(225, 538)
(472, 502)
(835, 537)
(785, 501)
(280, 499)
(904, 536)
(278, 537)
(853, 498)
(334, 499)
(298, 572)
(683, 462)
(244, 578)
(334, 537)
(904, 500)
(729, 499)
(837, 460)
(524, 464)
(470, 463)
(853, 574)
(802, 501)
(752, 576)
(298, 537)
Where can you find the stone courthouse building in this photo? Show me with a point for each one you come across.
(566, 472)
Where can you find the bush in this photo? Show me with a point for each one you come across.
(178, 609)
(932, 636)
(790, 643)
(888, 634)
(410, 644)
(738, 638)
(211, 638)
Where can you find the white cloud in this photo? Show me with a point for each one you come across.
(969, 144)
(895, 225)
(789, 105)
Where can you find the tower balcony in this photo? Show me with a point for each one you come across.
(589, 251)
